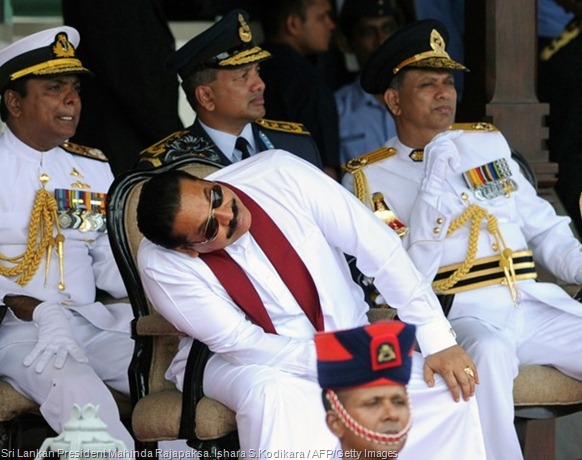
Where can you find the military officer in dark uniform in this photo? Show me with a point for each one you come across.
(219, 69)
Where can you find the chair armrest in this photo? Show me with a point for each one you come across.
(154, 325)
(106, 298)
(192, 389)
(382, 313)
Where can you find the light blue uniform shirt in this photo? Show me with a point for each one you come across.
(365, 124)
(552, 19)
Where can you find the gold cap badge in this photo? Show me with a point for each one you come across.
(244, 31)
(437, 57)
(62, 47)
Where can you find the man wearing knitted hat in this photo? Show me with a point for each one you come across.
(59, 346)
(477, 228)
(363, 373)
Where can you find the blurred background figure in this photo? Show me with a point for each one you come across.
(133, 99)
(560, 73)
(297, 34)
(364, 122)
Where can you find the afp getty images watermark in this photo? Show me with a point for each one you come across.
(282, 454)
(279, 454)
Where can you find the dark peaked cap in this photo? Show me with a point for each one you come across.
(354, 10)
(226, 44)
(420, 44)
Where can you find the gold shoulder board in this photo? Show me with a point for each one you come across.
(285, 126)
(83, 151)
(160, 147)
(478, 126)
(369, 158)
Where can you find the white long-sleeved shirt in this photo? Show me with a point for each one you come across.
(322, 221)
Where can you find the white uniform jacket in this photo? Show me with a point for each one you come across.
(88, 260)
(524, 219)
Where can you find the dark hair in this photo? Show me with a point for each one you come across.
(200, 77)
(326, 404)
(159, 202)
(19, 86)
(274, 15)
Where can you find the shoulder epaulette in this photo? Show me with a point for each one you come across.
(369, 158)
(83, 151)
(478, 126)
(285, 126)
(178, 144)
(571, 31)
(160, 147)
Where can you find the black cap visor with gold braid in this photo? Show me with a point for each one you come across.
(421, 44)
(226, 44)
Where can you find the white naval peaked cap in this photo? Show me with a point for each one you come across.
(48, 52)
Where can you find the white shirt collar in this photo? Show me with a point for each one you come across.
(225, 141)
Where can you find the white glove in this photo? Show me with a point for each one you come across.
(55, 338)
(440, 156)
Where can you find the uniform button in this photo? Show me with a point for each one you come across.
(495, 246)
(464, 196)
(440, 221)
(436, 230)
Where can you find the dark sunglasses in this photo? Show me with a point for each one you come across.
(211, 228)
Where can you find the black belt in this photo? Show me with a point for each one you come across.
(488, 272)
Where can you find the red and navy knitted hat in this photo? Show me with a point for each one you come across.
(377, 354)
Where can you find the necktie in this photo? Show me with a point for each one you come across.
(243, 146)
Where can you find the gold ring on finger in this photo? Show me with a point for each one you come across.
(469, 372)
